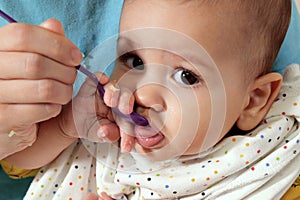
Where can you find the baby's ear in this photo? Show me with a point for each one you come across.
(262, 93)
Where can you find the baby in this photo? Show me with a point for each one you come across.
(199, 71)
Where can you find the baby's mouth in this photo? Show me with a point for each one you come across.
(148, 137)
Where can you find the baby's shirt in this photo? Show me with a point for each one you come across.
(262, 164)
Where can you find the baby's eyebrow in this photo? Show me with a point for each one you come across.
(193, 54)
(126, 40)
(125, 45)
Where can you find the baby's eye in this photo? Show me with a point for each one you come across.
(186, 77)
(133, 61)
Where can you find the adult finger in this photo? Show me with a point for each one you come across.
(16, 115)
(35, 91)
(11, 145)
(26, 37)
(16, 65)
(53, 25)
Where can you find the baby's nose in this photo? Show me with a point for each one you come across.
(150, 97)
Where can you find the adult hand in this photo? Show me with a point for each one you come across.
(36, 77)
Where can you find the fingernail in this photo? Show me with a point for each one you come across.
(115, 97)
(76, 56)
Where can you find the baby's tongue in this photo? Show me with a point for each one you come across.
(147, 137)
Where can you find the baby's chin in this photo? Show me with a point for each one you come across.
(160, 153)
(149, 152)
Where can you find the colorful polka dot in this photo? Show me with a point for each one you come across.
(258, 151)
(278, 138)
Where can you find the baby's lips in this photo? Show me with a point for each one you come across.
(148, 137)
(144, 131)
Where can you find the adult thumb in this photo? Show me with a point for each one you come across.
(53, 25)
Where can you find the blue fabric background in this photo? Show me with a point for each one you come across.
(290, 50)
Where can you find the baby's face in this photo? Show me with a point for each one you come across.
(186, 96)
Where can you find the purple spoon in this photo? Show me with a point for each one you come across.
(134, 117)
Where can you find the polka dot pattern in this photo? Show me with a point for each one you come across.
(234, 162)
